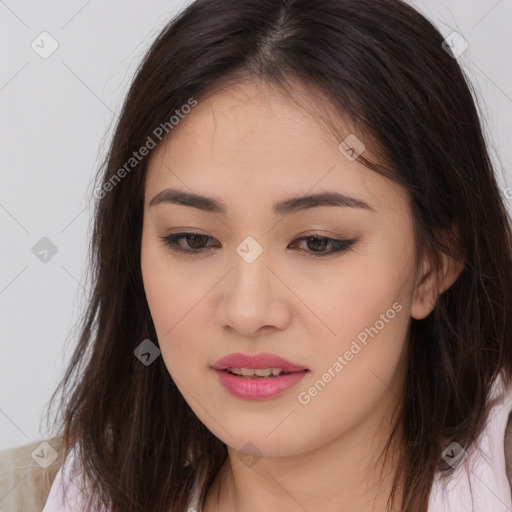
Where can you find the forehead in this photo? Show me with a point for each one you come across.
(253, 141)
(252, 119)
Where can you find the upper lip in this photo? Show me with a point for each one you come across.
(258, 361)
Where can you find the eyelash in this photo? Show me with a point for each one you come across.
(340, 246)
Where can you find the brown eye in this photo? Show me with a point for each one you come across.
(316, 245)
(196, 241)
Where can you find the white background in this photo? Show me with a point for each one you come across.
(54, 128)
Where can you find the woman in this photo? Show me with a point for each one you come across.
(302, 274)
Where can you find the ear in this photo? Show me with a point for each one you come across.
(432, 284)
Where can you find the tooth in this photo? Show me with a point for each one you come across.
(263, 373)
(256, 372)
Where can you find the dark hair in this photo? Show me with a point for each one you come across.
(380, 65)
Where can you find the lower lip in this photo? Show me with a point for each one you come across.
(258, 388)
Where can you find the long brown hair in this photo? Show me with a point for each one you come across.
(381, 65)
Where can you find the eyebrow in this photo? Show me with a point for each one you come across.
(291, 205)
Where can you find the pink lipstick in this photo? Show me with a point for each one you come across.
(257, 377)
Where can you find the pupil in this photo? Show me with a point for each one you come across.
(316, 240)
(195, 238)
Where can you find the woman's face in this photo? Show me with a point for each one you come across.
(256, 283)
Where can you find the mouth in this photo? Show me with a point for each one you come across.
(258, 383)
(258, 376)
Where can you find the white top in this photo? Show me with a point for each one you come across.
(66, 496)
(478, 484)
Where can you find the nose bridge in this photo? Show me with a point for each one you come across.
(250, 277)
(252, 295)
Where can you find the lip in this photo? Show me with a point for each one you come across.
(257, 388)
(258, 361)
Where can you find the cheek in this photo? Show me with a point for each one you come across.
(355, 299)
(172, 317)
(176, 300)
(166, 289)
(169, 298)
(355, 366)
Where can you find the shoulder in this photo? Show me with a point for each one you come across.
(27, 474)
(508, 449)
(482, 479)
(67, 493)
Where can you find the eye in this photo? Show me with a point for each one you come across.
(318, 243)
(196, 244)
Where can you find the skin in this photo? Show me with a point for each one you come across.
(248, 147)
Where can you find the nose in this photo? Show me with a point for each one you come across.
(254, 300)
